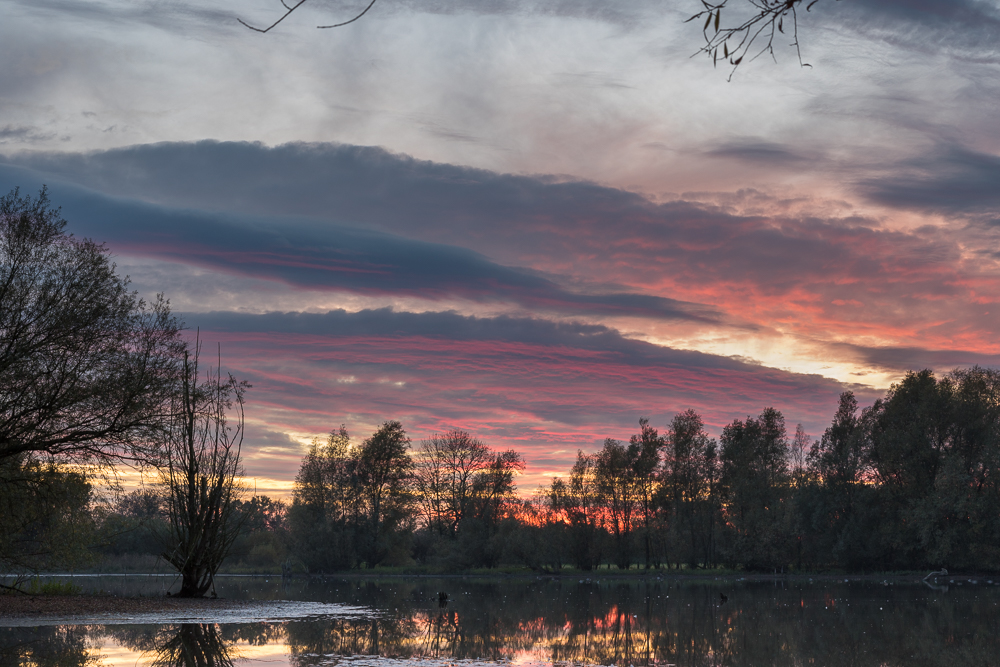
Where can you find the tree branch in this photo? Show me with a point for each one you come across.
(292, 8)
(734, 44)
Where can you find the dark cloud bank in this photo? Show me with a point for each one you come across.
(372, 222)
(320, 254)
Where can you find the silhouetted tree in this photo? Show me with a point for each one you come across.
(688, 479)
(580, 502)
(615, 476)
(645, 447)
(754, 484)
(446, 469)
(86, 367)
(202, 474)
(325, 518)
(46, 519)
(384, 470)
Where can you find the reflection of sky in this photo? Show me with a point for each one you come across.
(551, 621)
(113, 654)
(537, 221)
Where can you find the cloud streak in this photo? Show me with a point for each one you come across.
(318, 254)
(542, 387)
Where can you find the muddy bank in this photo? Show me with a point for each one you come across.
(15, 605)
(25, 611)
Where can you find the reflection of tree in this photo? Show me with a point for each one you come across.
(640, 623)
(62, 646)
(194, 645)
(621, 623)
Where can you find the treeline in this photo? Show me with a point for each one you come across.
(911, 482)
(93, 378)
(908, 483)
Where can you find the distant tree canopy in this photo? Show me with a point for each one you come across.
(910, 482)
(90, 375)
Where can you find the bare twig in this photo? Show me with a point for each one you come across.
(736, 43)
(337, 25)
(291, 8)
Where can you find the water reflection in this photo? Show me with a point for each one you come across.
(194, 645)
(649, 624)
(560, 622)
(46, 647)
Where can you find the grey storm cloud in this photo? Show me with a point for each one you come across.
(585, 228)
(172, 15)
(766, 152)
(362, 183)
(320, 254)
(903, 359)
(951, 180)
(965, 28)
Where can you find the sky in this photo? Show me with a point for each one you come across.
(534, 220)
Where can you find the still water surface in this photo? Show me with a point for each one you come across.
(399, 622)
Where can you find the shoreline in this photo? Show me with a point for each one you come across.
(13, 605)
(636, 575)
(95, 609)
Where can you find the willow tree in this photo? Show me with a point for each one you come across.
(202, 474)
(86, 366)
(87, 369)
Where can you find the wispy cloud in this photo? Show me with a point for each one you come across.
(521, 382)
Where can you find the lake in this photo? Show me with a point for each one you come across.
(399, 621)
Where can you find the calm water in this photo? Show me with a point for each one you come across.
(399, 622)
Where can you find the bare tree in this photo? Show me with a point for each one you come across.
(203, 474)
(446, 467)
(798, 452)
